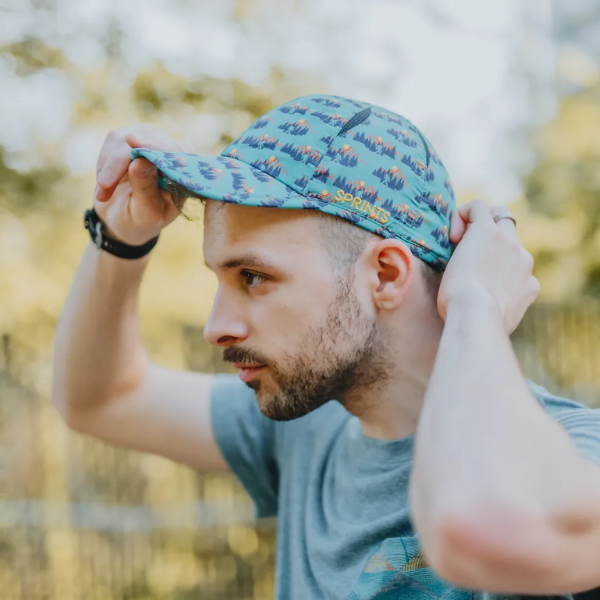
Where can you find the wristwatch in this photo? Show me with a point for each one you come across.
(102, 241)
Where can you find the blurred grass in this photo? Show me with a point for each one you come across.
(79, 519)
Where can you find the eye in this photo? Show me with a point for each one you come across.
(252, 279)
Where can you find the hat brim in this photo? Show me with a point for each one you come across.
(223, 179)
(227, 179)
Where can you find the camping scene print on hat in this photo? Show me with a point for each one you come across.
(344, 157)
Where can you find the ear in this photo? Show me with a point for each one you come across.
(394, 266)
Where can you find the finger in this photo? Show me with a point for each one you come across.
(143, 176)
(534, 286)
(115, 166)
(112, 166)
(505, 224)
(458, 227)
(527, 259)
(509, 232)
(113, 170)
(134, 141)
(476, 211)
(509, 224)
(167, 144)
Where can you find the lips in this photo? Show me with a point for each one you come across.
(247, 371)
(245, 365)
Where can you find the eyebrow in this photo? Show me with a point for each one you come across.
(247, 260)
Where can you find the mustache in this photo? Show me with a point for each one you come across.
(244, 355)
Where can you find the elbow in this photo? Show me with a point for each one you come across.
(477, 548)
(71, 412)
(59, 400)
(66, 411)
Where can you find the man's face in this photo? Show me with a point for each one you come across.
(299, 331)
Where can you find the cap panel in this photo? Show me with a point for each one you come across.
(290, 141)
(430, 193)
(377, 173)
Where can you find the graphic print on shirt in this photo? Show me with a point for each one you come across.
(397, 569)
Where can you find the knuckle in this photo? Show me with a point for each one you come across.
(120, 133)
(513, 243)
(498, 236)
(116, 133)
(510, 241)
(535, 287)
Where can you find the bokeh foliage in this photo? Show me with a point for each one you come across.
(81, 520)
(563, 195)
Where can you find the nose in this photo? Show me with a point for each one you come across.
(224, 326)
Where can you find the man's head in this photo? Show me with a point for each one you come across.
(310, 300)
(315, 302)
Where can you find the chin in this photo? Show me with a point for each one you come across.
(273, 408)
(266, 399)
(281, 404)
(280, 407)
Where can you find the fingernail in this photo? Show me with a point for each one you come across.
(144, 173)
(99, 193)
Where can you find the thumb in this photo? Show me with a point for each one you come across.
(476, 211)
(458, 227)
(143, 177)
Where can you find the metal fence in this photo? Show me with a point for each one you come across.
(80, 520)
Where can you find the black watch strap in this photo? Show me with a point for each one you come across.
(97, 231)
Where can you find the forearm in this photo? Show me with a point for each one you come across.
(485, 450)
(98, 350)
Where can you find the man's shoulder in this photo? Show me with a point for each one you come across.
(581, 422)
(554, 403)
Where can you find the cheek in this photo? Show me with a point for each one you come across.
(285, 316)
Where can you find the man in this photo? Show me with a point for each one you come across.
(384, 417)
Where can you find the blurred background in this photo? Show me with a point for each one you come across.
(509, 93)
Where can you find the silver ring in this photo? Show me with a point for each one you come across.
(499, 218)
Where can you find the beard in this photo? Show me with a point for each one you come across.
(337, 360)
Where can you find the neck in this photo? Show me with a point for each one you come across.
(391, 409)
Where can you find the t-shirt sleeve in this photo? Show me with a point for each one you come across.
(581, 422)
(246, 439)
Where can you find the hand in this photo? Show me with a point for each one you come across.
(127, 197)
(489, 263)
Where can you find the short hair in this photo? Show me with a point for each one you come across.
(344, 241)
(180, 196)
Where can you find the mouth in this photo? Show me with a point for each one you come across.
(247, 372)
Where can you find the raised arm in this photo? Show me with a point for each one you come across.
(104, 385)
(501, 496)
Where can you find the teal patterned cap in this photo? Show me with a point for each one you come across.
(343, 157)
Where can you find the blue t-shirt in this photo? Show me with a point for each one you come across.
(344, 530)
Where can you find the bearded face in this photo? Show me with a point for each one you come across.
(340, 353)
